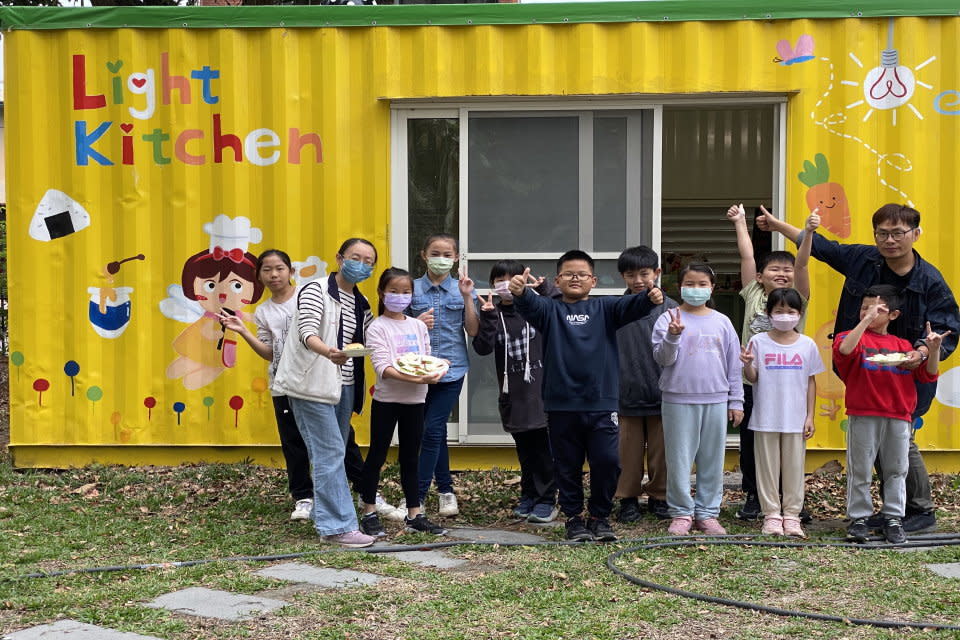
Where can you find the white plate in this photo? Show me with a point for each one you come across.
(431, 359)
(888, 358)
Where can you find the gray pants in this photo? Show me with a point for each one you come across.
(867, 438)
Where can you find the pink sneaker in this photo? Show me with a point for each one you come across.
(711, 527)
(791, 527)
(351, 539)
(772, 526)
(680, 526)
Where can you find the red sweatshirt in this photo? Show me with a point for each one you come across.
(875, 389)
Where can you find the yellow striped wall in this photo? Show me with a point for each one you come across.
(338, 83)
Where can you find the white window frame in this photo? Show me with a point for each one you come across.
(403, 110)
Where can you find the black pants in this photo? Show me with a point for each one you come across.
(748, 464)
(536, 466)
(573, 436)
(294, 450)
(408, 420)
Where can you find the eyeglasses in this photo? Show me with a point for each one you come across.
(566, 275)
(897, 234)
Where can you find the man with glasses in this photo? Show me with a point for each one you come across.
(926, 298)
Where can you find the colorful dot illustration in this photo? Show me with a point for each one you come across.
(71, 368)
(236, 403)
(115, 418)
(149, 402)
(179, 408)
(208, 402)
(40, 385)
(17, 359)
(94, 393)
(259, 385)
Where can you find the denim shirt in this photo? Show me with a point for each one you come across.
(926, 298)
(447, 338)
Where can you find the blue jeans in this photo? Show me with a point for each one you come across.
(434, 455)
(333, 510)
(694, 433)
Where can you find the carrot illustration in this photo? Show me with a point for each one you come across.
(829, 197)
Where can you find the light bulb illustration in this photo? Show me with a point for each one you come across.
(889, 85)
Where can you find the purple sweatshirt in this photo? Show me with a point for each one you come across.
(702, 364)
(389, 340)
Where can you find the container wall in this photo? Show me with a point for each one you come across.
(127, 142)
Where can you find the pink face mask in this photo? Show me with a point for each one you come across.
(502, 289)
(784, 321)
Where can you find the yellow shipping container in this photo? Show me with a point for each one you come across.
(139, 140)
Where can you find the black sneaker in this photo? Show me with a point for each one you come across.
(577, 530)
(420, 524)
(876, 522)
(858, 531)
(601, 530)
(658, 508)
(805, 517)
(629, 511)
(893, 530)
(750, 509)
(920, 522)
(370, 525)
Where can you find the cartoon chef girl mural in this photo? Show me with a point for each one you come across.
(221, 279)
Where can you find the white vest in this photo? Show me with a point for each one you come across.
(307, 375)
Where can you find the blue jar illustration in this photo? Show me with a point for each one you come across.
(109, 310)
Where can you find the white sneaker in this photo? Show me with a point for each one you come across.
(448, 505)
(301, 510)
(388, 511)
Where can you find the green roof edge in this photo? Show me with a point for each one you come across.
(44, 18)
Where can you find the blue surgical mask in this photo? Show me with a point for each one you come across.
(354, 271)
(695, 296)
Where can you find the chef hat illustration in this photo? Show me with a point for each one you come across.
(232, 233)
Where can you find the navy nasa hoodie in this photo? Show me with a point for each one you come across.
(580, 360)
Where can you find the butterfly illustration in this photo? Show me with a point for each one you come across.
(788, 55)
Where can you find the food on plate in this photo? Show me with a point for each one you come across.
(414, 364)
(356, 349)
(888, 358)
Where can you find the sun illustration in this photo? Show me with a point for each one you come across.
(890, 85)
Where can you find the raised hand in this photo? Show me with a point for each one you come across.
(465, 283)
(934, 340)
(813, 221)
(675, 327)
(655, 295)
(875, 310)
(487, 303)
(746, 356)
(427, 318)
(763, 220)
(736, 213)
(534, 282)
(231, 322)
(518, 283)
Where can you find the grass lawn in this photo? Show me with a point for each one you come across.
(56, 520)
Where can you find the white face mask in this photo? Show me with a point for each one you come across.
(784, 321)
(502, 289)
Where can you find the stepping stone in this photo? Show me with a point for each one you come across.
(494, 535)
(435, 559)
(73, 630)
(948, 570)
(208, 603)
(320, 576)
